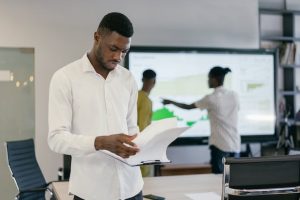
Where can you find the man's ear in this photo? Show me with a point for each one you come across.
(97, 37)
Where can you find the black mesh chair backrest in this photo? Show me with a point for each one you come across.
(25, 169)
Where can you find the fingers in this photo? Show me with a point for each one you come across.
(133, 136)
(166, 101)
(119, 144)
(126, 147)
(127, 140)
(126, 152)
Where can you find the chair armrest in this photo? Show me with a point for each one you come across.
(40, 189)
(34, 190)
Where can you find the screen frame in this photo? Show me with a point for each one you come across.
(204, 140)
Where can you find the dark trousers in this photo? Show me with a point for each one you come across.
(216, 157)
(139, 196)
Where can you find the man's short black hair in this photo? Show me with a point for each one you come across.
(149, 74)
(116, 22)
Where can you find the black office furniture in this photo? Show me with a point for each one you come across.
(263, 178)
(25, 170)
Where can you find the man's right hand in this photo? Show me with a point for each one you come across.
(120, 144)
(166, 101)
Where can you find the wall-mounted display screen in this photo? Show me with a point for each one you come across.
(182, 75)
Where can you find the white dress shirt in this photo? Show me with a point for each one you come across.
(222, 107)
(82, 106)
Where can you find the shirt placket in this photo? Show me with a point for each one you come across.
(107, 98)
(110, 123)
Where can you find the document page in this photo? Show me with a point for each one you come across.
(153, 143)
(205, 195)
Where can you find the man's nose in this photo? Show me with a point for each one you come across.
(118, 56)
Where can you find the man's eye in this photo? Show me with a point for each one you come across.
(113, 49)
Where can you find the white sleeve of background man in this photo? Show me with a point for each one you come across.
(60, 138)
(203, 103)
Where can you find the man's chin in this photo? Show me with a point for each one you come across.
(111, 67)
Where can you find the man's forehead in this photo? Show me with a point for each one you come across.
(118, 41)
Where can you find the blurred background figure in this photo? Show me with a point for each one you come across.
(222, 107)
(144, 109)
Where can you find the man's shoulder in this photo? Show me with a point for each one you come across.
(143, 96)
(229, 91)
(68, 71)
(70, 68)
(232, 95)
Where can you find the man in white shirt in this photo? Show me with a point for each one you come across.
(93, 107)
(222, 107)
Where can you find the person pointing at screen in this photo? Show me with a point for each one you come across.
(222, 107)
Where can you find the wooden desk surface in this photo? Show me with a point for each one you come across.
(60, 190)
(170, 187)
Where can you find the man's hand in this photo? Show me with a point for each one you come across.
(119, 144)
(166, 101)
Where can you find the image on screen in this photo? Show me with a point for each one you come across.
(182, 76)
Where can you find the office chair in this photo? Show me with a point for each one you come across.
(264, 178)
(25, 170)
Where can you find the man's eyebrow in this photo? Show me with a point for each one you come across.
(114, 46)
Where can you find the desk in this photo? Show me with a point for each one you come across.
(184, 169)
(170, 187)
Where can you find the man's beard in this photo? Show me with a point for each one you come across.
(100, 59)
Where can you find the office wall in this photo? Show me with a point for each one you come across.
(61, 31)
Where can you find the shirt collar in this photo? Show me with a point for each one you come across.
(219, 88)
(88, 67)
(145, 93)
(86, 64)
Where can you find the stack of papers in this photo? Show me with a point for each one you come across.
(153, 142)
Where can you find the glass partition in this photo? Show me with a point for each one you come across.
(17, 110)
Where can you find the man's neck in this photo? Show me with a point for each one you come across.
(219, 86)
(146, 90)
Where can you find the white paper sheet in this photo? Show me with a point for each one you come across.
(204, 196)
(153, 143)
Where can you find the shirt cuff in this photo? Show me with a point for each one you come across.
(133, 131)
(88, 144)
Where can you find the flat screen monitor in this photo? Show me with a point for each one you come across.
(182, 75)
